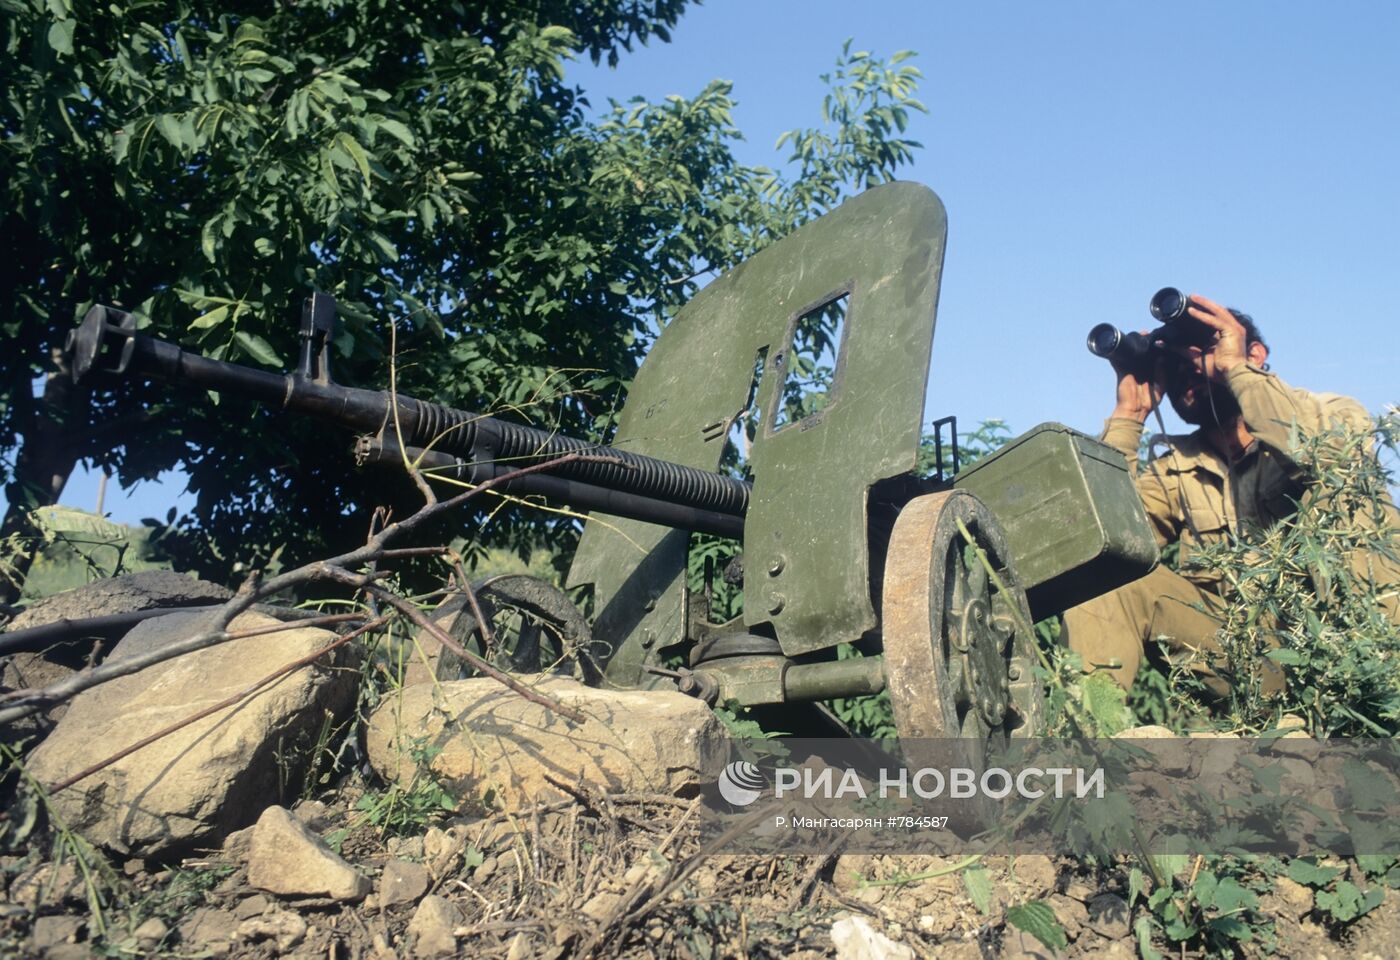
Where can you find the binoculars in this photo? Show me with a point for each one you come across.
(1137, 352)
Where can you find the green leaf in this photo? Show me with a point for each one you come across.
(1037, 919)
(390, 252)
(1143, 929)
(357, 153)
(209, 320)
(1137, 882)
(979, 888)
(207, 237)
(1171, 864)
(1310, 874)
(1285, 656)
(169, 126)
(1106, 702)
(61, 36)
(398, 130)
(1232, 927)
(258, 348)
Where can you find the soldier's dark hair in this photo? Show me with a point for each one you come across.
(1251, 329)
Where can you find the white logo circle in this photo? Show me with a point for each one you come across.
(741, 783)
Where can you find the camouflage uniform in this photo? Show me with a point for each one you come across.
(1193, 497)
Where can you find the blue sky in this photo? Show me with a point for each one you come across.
(1089, 153)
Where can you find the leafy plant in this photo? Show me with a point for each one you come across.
(1303, 593)
(1038, 919)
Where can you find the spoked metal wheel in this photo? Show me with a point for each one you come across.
(957, 662)
(534, 628)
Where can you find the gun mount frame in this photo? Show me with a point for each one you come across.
(844, 544)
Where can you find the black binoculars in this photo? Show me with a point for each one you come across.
(1137, 352)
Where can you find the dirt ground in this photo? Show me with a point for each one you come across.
(601, 876)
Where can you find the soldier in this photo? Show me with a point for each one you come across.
(1234, 470)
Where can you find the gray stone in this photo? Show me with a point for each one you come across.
(285, 928)
(402, 882)
(432, 927)
(151, 932)
(208, 927)
(51, 931)
(205, 779)
(289, 860)
(492, 738)
(147, 590)
(254, 906)
(855, 939)
(1296, 898)
(1109, 916)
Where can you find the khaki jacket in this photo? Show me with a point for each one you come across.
(1194, 497)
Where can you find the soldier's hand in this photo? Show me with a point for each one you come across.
(1137, 398)
(1230, 348)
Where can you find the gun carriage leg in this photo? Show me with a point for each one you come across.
(958, 663)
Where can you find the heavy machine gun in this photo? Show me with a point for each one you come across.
(935, 580)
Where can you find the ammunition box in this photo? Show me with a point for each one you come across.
(1071, 513)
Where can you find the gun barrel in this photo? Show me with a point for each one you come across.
(106, 340)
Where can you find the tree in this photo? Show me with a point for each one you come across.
(209, 164)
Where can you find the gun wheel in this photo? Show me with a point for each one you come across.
(535, 628)
(957, 663)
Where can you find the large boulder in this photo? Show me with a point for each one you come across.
(212, 776)
(128, 593)
(145, 590)
(479, 736)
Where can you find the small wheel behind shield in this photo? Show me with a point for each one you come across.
(534, 628)
(958, 662)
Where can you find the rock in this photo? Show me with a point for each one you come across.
(151, 933)
(1035, 875)
(1071, 914)
(210, 777)
(1079, 890)
(284, 927)
(148, 590)
(1109, 916)
(51, 931)
(431, 927)
(1297, 898)
(519, 948)
(1146, 732)
(1297, 744)
(254, 906)
(1117, 950)
(237, 843)
(48, 885)
(1019, 945)
(210, 928)
(289, 860)
(441, 850)
(402, 882)
(405, 848)
(632, 741)
(856, 939)
(313, 813)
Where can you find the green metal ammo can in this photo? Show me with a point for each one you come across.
(1071, 513)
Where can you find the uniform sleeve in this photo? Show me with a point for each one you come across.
(1271, 408)
(1153, 485)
